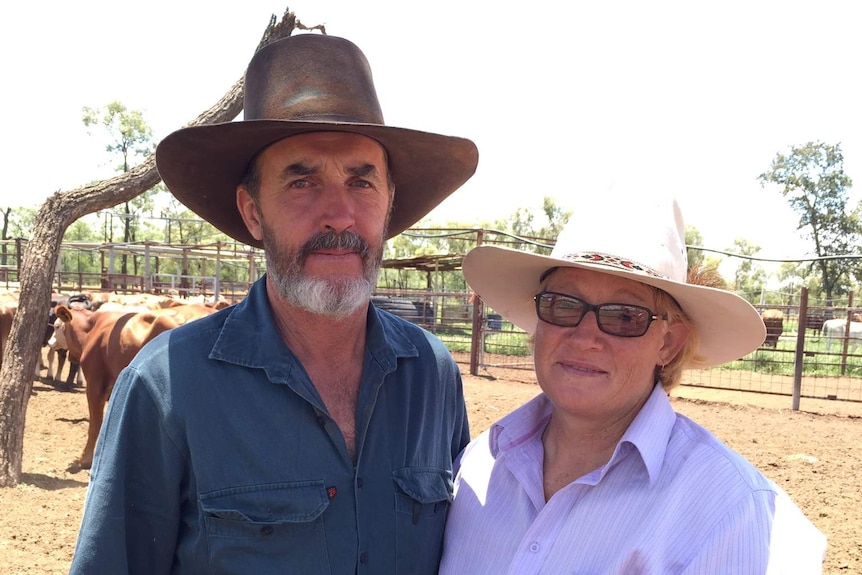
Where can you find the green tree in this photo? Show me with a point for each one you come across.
(693, 239)
(131, 138)
(749, 277)
(16, 225)
(20, 223)
(81, 260)
(811, 177)
(556, 219)
(535, 234)
(452, 239)
(519, 223)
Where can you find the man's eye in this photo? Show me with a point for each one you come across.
(362, 184)
(299, 184)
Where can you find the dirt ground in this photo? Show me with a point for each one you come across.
(815, 454)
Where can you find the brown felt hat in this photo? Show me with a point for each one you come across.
(308, 83)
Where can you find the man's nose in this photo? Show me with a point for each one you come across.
(337, 210)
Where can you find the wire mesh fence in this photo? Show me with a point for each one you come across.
(827, 365)
(812, 348)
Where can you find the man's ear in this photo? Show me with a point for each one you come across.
(250, 214)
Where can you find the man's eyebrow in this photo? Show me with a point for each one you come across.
(298, 169)
(363, 171)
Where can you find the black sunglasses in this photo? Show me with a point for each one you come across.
(619, 319)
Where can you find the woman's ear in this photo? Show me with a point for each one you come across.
(675, 337)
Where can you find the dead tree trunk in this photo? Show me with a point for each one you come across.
(57, 213)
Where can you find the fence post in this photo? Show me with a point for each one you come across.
(800, 347)
(476, 339)
(845, 344)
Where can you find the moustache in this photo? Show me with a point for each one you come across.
(346, 240)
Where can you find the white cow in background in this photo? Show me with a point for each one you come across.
(834, 329)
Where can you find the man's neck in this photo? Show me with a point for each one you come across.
(332, 351)
(313, 337)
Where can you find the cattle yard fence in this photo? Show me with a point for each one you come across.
(798, 360)
(793, 362)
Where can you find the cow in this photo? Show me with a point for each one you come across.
(773, 319)
(57, 350)
(105, 342)
(835, 329)
(8, 308)
(7, 314)
(147, 300)
(814, 322)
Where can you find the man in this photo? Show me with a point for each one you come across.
(302, 430)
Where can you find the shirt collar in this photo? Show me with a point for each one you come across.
(648, 433)
(520, 426)
(251, 338)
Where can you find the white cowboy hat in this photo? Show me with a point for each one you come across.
(645, 243)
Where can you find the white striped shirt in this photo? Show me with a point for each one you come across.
(672, 499)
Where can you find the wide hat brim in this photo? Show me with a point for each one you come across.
(728, 327)
(202, 166)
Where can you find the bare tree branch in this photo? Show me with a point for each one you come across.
(55, 215)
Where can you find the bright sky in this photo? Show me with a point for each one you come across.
(563, 99)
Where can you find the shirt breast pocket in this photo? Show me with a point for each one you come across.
(422, 497)
(274, 524)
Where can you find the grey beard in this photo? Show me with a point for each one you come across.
(331, 298)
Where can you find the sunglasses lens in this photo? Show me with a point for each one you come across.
(624, 320)
(560, 310)
(615, 319)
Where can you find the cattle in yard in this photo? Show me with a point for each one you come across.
(110, 300)
(773, 319)
(8, 308)
(146, 300)
(57, 350)
(57, 354)
(105, 342)
(7, 314)
(213, 302)
(814, 321)
(834, 329)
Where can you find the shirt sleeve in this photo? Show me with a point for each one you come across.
(461, 434)
(764, 534)
(132, 509)
(796, 545)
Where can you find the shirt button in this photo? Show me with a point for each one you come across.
(266, 530)
(359, 482)
(363, 558)
(534, 547)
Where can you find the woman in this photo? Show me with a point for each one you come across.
(598, 474)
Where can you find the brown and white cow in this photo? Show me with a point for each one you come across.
(105, 342)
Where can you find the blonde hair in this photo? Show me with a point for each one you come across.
(670, 374)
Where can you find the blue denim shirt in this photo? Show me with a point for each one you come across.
(217, 455)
